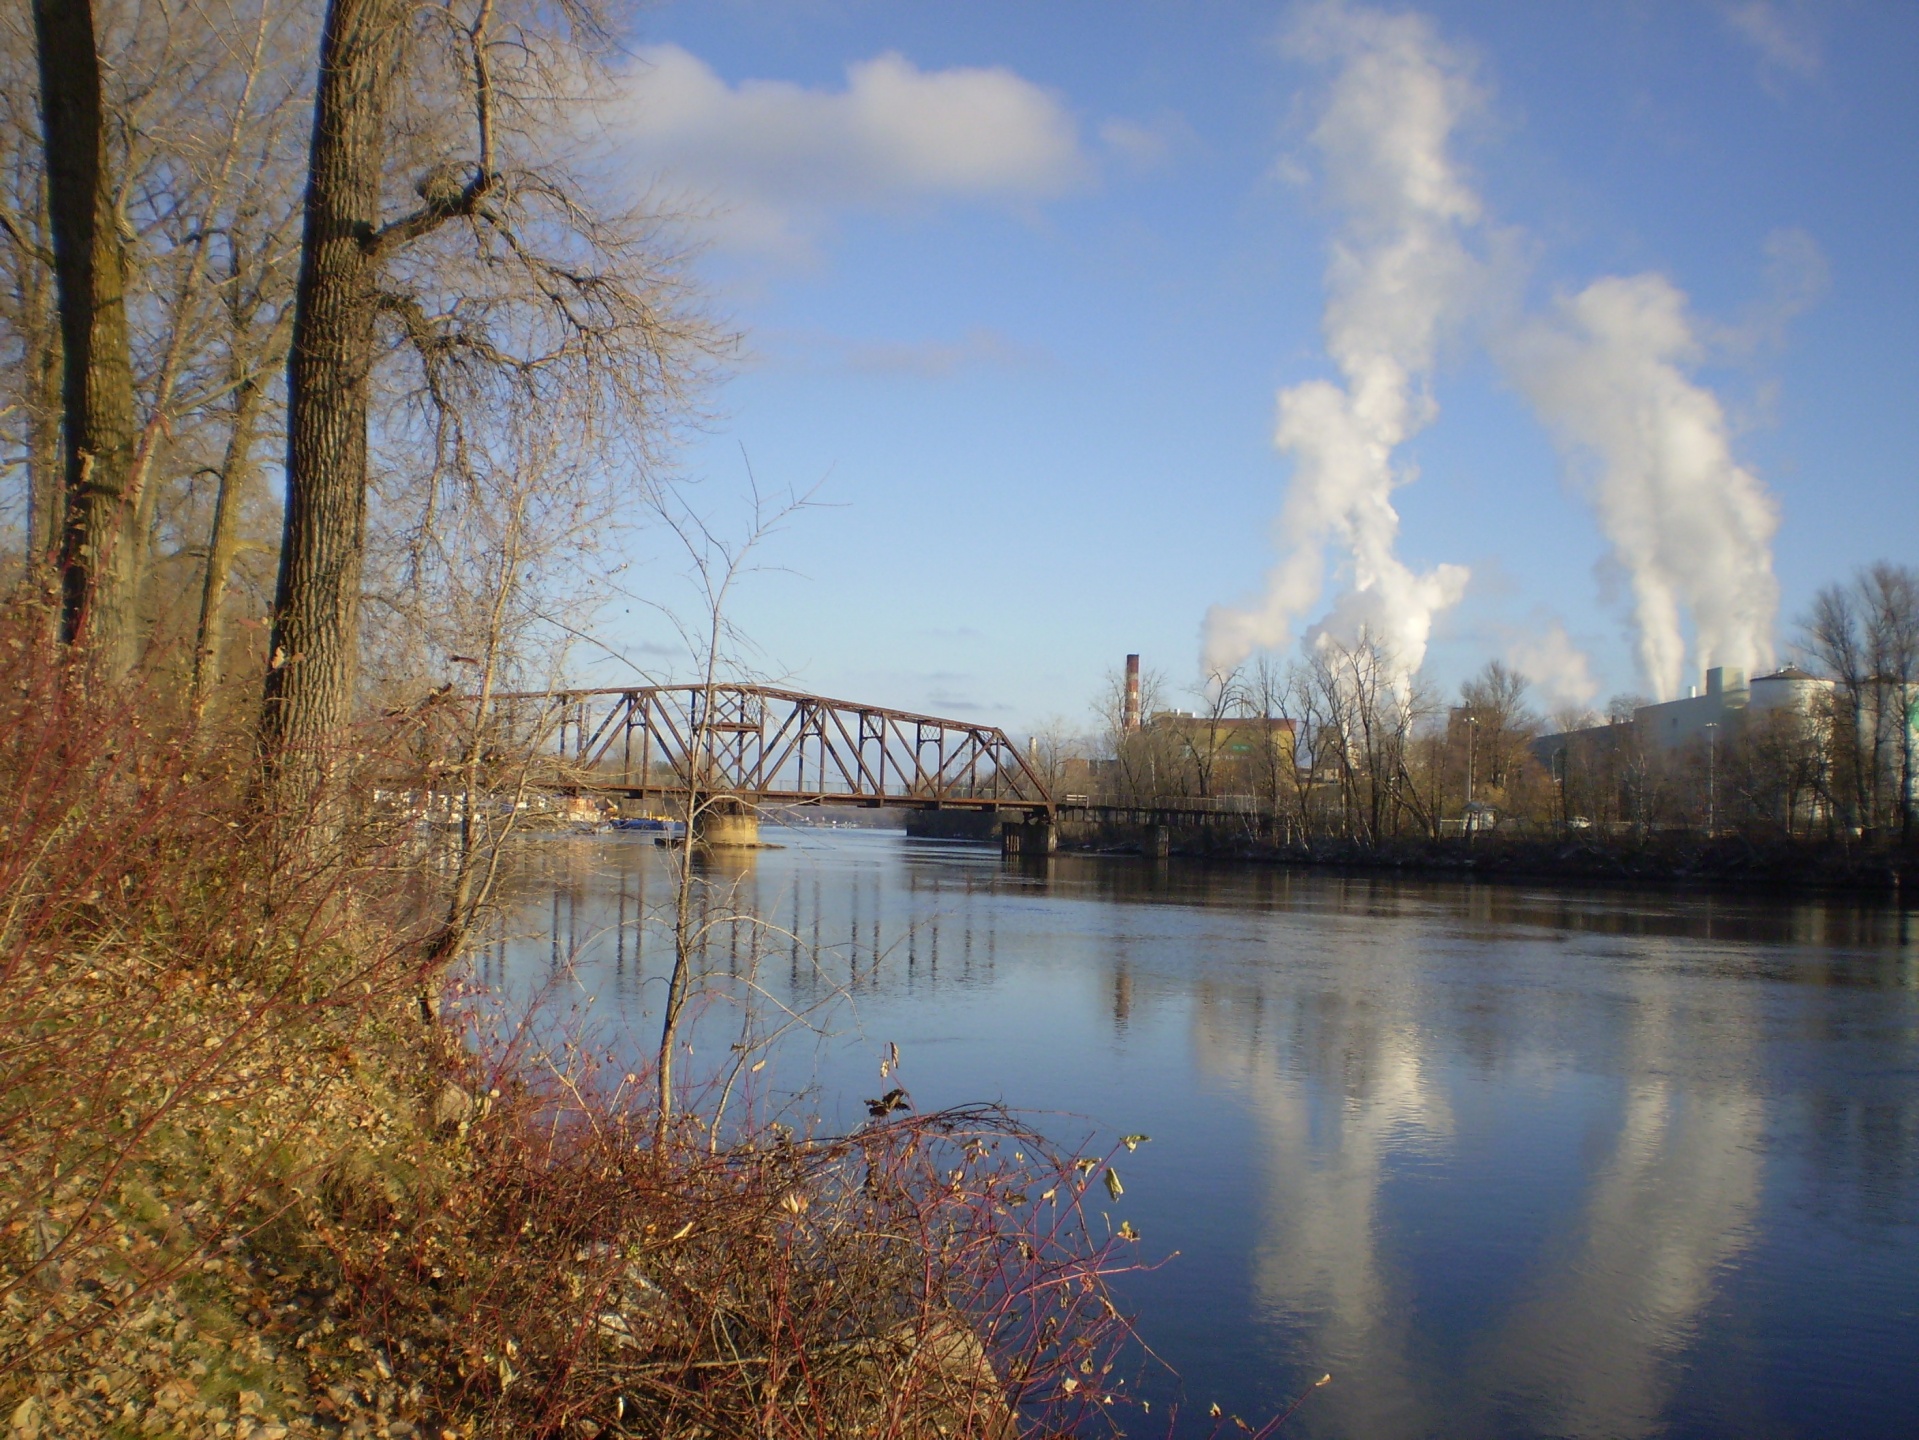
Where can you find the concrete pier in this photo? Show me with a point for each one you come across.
(1037, 836)
(727, 824)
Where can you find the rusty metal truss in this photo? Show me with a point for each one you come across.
(761, 745)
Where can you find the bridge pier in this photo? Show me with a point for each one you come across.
(980, 826)
(727, 824)
(1035, 836)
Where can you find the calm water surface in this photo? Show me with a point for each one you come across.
(1506, 1161)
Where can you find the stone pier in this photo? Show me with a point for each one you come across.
(727, 824)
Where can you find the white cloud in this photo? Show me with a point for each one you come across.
(1149, 145)
(979, 348)
(776, 159)
(1796, 279)
(1783, 35)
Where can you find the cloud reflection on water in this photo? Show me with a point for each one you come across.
(1517, 1162)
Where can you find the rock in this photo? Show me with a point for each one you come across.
(25, 1423)
(452, 1107)
(617, 1330)
(641, 1294)
(938, 1367)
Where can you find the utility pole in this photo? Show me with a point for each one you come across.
(1472, 734)
(1712, 778)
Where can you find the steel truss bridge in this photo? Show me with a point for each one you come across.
(754, 744)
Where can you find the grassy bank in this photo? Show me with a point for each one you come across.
(254, 1184)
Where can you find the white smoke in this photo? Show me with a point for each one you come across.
(1608, 372)
(1399, 271)
(1547, 656)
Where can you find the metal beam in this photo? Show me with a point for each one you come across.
(761, 744)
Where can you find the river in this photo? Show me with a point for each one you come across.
(1504, 1160)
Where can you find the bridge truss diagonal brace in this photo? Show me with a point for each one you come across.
(761, 745)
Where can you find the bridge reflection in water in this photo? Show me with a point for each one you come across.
(1508, 1161)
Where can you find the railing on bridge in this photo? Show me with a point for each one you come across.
(1198, 809)
(760, 744)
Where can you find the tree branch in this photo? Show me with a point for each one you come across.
(439, 209)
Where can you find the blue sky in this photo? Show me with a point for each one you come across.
(1023, 286)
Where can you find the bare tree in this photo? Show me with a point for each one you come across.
(1204, 738)
(1835, 640)
(1054, 750)
(30, 360)
(213, 195)
(1890, 597)
(1769, 775)
(1144, 760)
(89, 265)
(1269, 695)
(258, 325)
(310, 675)
(196, 108)
(717, 567)
(1623, 706)
(507, 534)
(1495, 699)
(1369, 708)
(1865, 636)
(499, 286)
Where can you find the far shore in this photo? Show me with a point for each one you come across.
(1730, 862)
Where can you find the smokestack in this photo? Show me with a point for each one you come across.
(1129, 718)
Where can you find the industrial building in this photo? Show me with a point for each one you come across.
(1728, 702)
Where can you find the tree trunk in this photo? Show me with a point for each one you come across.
(223, 546)
(1905, 691)
(311, 669)
(97, 609)
(46, 481)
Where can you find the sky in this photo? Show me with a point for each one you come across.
(1579, 335)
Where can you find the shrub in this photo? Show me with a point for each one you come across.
(249, 1185)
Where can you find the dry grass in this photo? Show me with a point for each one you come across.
(247, 1190)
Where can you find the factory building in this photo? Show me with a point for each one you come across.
(1728, 702)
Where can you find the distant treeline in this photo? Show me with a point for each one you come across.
(1341, 748)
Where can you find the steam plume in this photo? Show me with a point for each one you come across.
(1399, 270)
(1691, 527)
(1547, 656)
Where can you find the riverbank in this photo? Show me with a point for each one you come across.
(267, 1171)
(234, 1217)
(1688, 860)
